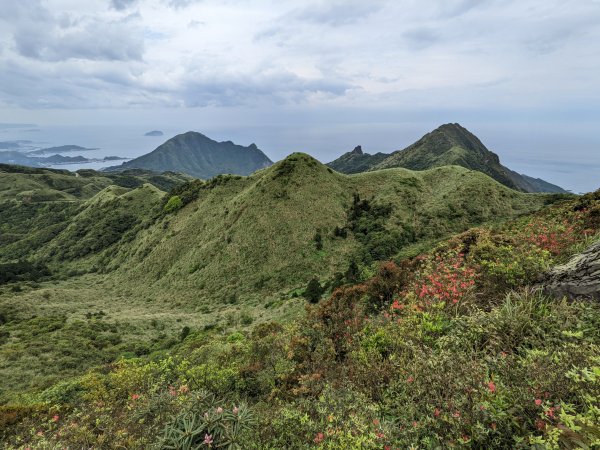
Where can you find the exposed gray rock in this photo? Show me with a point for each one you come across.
(580, 277)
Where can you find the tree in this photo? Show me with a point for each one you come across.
(313, 291)
(353, 272)
(318, 240)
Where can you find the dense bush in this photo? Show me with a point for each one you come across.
(22, 271)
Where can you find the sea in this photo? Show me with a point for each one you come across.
(575, 169)
(123, 141)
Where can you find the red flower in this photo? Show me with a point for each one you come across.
(55, 418)
(135, 396)
(491, 386)
(436, 412)
(319, 438)
(538, 402)
(376, 422)
(410, 379)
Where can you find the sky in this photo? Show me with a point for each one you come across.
(317, 76)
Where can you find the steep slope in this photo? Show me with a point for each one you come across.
(450, 144)
(256, 236)
(199, 156)
(532, 184)
(37, 204)
(357, 161)
(129, 274)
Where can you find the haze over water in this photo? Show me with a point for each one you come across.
(522, 148)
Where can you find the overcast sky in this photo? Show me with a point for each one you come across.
(318, 76)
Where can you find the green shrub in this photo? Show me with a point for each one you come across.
(173, 204)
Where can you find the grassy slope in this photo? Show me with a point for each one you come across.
(253, 237)
(230, 258)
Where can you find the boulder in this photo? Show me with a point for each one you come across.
(578, 278)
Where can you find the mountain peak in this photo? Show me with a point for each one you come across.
(357, 150)
(200, 156)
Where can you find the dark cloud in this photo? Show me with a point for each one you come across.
(121, 5)
(278, 88)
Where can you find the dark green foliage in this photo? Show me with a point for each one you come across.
(340, 232)
(318, 240)
(313, 291)
(185, 331)
(352, 275)
(367, 221)
(97, 231)
(22, 271)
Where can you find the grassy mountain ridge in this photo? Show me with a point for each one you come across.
(199, 156)
(449, 144)
(237, 252)
(357, 161)
(260, 230)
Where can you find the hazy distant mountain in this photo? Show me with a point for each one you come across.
(450, 144)
(25, 159)
(61, 149)
(199, 156)
(154, 133)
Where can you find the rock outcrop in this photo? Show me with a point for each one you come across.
(579, 278)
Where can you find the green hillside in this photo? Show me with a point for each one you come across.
(256, 236)
(357, 161)
(450, 349)
(199, 156)
(450, 144)
(225, 253)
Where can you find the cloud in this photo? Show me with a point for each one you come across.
(110, 41)
(261, 88)
(420, 38)
(121, 5)
(179, 4)
(337, 13)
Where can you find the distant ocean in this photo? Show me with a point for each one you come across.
(124, 141)
(576, 168)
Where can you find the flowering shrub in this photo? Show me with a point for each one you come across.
(204, 423)
(445, 279)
